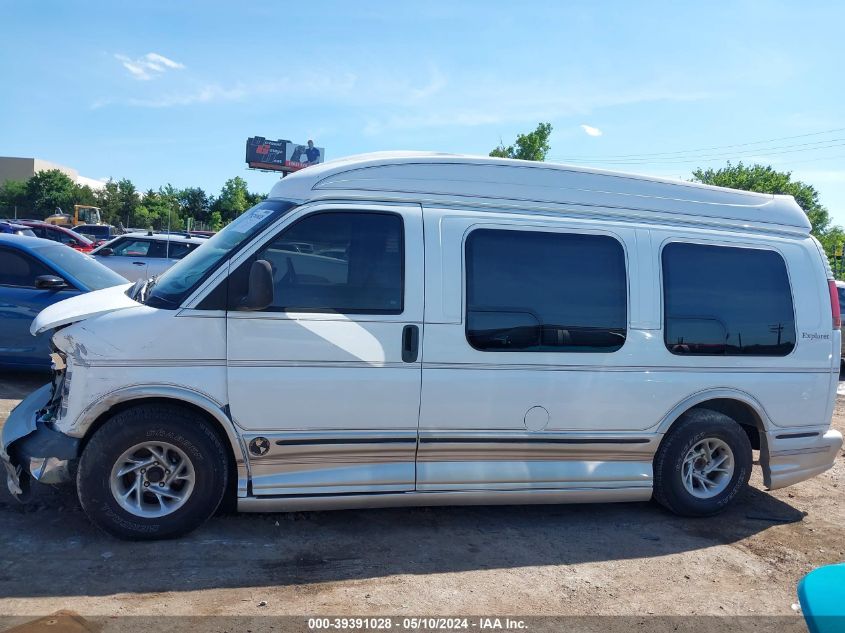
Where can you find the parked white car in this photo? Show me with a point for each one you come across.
(404, 329)
(142, 255)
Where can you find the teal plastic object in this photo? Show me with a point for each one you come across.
(822, 597)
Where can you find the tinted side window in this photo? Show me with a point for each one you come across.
(177, 250)
(98, 231)
(66, 238)
(350, 263)
(17, 269)
(49, 235)
(725, 301)
(545, 292)
(131, 248)
(157, 249)
(55, 235)
(841, 292)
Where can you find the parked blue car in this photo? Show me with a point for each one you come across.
(13, 228)
(34, 274)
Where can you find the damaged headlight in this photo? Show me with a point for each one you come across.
(57, 361)
(61, 385)
(65, 393)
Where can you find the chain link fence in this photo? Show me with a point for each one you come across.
(11, 212)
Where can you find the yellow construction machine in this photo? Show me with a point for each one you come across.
(82, 214)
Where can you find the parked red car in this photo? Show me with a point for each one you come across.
(59, 234)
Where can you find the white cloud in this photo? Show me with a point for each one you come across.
(203, 94)
(154, 60)
(148, 66)
(435, 85)
(387, 102)
(327, 86)
(485, 101)
(590, 130)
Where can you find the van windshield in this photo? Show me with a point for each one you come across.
(174, 285)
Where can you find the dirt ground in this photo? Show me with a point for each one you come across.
(623, 559)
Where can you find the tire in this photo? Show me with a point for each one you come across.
(701, 429)
(169, 505)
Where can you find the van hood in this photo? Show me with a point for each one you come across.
(82, 307)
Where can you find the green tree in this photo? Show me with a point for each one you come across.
(48, 190)
(121, 203)
(170, 209)
(118, 201)
(255, 198)
(128, 201)
(532, 146)
(83, 194)
(109, 202)
(14, 201)
(152, 212)
(195, 204)
(766, 179)
(160, 209)
(216, 222)
(233, 200)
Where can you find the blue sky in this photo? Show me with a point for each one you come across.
(168, 91)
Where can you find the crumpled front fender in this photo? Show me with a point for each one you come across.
(32, 448)
(22, 419)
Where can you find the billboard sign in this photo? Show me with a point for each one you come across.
(264, 154)
(300, 156)
(282, 155)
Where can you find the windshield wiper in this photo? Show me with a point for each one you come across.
(136, 289)
(147, 288)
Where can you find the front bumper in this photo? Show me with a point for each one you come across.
(31, 449)
(794, 457)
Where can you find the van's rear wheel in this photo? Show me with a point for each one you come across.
(152, 471)
(702, 464)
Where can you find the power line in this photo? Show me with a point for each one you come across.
(815, 160)
(681, 160)
(754, 151)
(685, 176)
(706, 149)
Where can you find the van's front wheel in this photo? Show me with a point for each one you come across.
(152, 471)
(702, 464)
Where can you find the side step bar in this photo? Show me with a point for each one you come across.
(463, 497)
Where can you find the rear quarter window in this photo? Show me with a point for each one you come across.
(726, 301)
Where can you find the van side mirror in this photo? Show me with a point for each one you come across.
(50, 282)
(260, 292)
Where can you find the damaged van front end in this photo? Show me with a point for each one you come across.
(33, 447)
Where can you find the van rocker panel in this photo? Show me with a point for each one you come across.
(457, 498)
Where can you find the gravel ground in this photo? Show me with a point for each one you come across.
(623, 559)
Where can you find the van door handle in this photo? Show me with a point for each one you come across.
(410, 343)
(138, 263)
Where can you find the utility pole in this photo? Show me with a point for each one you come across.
(167, 246)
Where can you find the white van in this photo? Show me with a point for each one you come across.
(422, 329)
